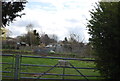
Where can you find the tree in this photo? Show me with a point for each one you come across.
(45, 39)
(104, 29)
(74, 38)
(53, 38)
(29, 36)
(37, 37)
(10, 11)
(5, 33)
(32, 37)
(29, 27)
(65, 41)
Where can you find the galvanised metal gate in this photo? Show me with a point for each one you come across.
(62, 63)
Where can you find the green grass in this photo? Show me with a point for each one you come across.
(44, 61)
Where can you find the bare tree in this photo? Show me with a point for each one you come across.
(75, 37)
(29, 27)
(53, 37)
(45, 39)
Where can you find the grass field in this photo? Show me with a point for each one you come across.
(44, 61)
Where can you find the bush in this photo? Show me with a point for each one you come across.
(104, 28)
(8, 47)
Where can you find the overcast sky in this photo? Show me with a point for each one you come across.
(60, 17)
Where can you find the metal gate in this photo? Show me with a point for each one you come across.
(63, 63)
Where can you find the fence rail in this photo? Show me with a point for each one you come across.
(50, 66)
(17, 66)
(51, 57)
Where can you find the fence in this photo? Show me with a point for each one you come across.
(62, 63)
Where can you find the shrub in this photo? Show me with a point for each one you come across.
(104, 28)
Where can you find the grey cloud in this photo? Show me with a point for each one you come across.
(72, 20)
(24, 23)
(76, 29)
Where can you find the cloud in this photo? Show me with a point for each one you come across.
(55, 17)
(16, 31)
